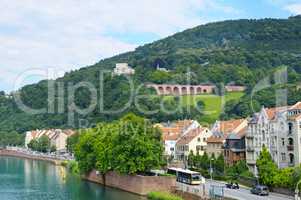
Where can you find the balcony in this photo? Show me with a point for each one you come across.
(250, 136)
(290, 147)
(251, 162)
(250, 149)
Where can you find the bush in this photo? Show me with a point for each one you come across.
(162, 196)
(72, 166)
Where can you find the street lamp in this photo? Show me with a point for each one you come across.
(297, 191)
(211, 169)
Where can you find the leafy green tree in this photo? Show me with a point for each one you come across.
(106, 134)
(137, 146)
(129, 145)
(33, 145)
(219, 164)
(191, 159)
(53, 148)
(267, 169)
(44, 144)
(205, 161)
(284, 178)
(71, 142)
(84, 151)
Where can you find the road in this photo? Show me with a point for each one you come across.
(244, 193)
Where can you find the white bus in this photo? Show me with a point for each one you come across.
(187, 176)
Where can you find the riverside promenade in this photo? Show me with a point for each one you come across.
(24, 153)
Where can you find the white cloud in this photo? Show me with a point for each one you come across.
(68, 34)
(294, 8)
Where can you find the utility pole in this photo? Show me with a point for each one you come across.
(211, 169)
(297, 191)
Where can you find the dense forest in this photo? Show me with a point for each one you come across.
(235, 51)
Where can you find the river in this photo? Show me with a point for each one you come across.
(23, 179)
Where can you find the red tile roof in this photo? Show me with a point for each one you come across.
(216, 139)
(188, 137)
(229, 126)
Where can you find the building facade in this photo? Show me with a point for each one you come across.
(57, 137)
(123, 69)
(172, 132)
(279, 130)
(220, 131)
(235, 147)
(193, 141)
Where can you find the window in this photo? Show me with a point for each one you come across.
(199, 139)
(283, 142)
(172, 149)
(291, 141)
(283, 157)
(290, 128)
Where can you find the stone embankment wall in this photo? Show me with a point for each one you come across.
(137, 184)
(28, 156)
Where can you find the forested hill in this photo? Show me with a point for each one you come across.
(243, 51)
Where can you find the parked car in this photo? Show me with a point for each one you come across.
(232, 186)
(260, 190)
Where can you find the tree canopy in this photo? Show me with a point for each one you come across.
(130, 145)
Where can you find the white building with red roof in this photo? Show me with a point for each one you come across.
(57, 137)
(194, 141)
(172, 132)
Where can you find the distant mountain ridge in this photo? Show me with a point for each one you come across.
(241, 51)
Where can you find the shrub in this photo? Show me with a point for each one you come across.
(162, 196)
(72, 166)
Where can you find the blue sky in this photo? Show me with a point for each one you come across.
(44, 39)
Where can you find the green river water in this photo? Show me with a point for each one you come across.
(23, 179)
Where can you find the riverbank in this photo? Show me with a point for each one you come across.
(136, 184)
(18, 154)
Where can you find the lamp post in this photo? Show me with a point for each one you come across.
(297, 191)
(211, 169)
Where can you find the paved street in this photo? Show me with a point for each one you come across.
(245, 194)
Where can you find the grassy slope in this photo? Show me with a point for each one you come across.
(213, 104)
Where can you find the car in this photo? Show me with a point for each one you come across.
(261, 190)
(232, 186)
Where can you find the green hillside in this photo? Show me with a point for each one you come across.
(241, 51)
(213, 104)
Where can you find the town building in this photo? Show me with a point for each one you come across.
(279, 130)
(235, 147)
(194, 141)
(123, 69)
(215, 145)
(171, 132)
(220, 130)
(57, 137)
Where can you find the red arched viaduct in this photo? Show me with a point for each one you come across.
(176, 89)
(168, 89)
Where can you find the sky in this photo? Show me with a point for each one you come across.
(44, 38)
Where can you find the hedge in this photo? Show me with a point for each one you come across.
(162, 196)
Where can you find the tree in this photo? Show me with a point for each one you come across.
(71, 142)
(84, 151)
(205, 162)
(267, 169)
(129, 145)
(219, 164)
(44, 144)
(33, 145)
(137, 146)
(53, 148)
(191, 159)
